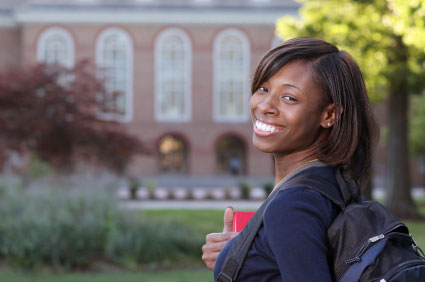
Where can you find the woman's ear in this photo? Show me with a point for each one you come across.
(329, 115)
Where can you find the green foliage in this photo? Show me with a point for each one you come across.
(189, 195)
(134, 185)
(74, 230)
(245, 189)
(201, 221)
(376, 33)
(37, 168)
(151, 186)
(417, 126)
(150, 242)
(268, 188)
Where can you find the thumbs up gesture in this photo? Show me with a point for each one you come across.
(215, 242)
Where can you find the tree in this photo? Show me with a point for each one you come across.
(417, 126)
(57, 114)
(387, 38)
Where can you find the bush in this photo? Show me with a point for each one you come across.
(74, 230)
(145, 242)
(134, 185)
(268, 188)
(245, 189)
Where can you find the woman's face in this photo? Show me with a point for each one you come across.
(287, 111)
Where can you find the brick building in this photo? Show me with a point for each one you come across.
(183, 68)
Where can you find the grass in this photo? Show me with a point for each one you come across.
(201, 223)
(166, 276)
(417, 228)
(208, 221)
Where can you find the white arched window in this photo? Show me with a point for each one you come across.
(173, 76)
(56, 46)
(114, 61)
(231, 76)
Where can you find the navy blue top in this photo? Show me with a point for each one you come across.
(292, 244)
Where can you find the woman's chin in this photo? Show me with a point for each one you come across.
(264, 147)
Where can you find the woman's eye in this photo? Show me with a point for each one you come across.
(289, 98)
(263, 89)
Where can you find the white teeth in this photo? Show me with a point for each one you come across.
(265, 127)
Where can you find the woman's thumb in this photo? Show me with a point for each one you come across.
(228, 219)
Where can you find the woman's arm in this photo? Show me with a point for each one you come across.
(296, 224)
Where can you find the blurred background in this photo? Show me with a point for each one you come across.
(125, 126)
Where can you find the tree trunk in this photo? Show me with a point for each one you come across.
(398, 197)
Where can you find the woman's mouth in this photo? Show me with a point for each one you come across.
(265, 129)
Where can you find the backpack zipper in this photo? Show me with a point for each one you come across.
(417, 249)
(364, 248)
(396, 269)
(370, 242)
(339, 273)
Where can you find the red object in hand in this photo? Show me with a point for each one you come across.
(240, 219)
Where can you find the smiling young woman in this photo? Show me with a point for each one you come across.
(289, 117)
(310, 109)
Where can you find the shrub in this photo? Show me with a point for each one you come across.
(146, 242)
(134, 185)
(245, 189)
(189, 195)
(151, 186)
(268, 188)
(73, 230)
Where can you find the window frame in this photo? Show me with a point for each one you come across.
(187, 80)
(66, 35)
(129, 49)
(245, 75)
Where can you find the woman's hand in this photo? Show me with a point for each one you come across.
(216, 241)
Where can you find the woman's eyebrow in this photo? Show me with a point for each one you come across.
(292, 85)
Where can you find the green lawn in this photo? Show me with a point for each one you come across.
(208, 221)
(166, 276)
(417, 228)
(201, 222)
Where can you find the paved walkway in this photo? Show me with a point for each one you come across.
(193, 204)
(221, 204)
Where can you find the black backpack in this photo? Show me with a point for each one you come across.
(366, 242)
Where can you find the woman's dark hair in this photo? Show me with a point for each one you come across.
(352, 138)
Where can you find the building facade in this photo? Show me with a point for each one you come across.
(183, 68)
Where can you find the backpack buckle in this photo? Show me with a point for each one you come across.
(222, 277)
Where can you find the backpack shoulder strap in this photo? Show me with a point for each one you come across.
(242, 243)
(325, 188)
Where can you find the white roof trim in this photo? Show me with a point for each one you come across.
(245, 17)
(7, 21)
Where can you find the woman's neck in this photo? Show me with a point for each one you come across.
(287, 163)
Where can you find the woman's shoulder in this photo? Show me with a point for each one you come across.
(296, 204)
(299, 197)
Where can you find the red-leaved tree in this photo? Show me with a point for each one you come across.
(56, 113)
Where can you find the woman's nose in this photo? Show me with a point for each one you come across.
(267, 106)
